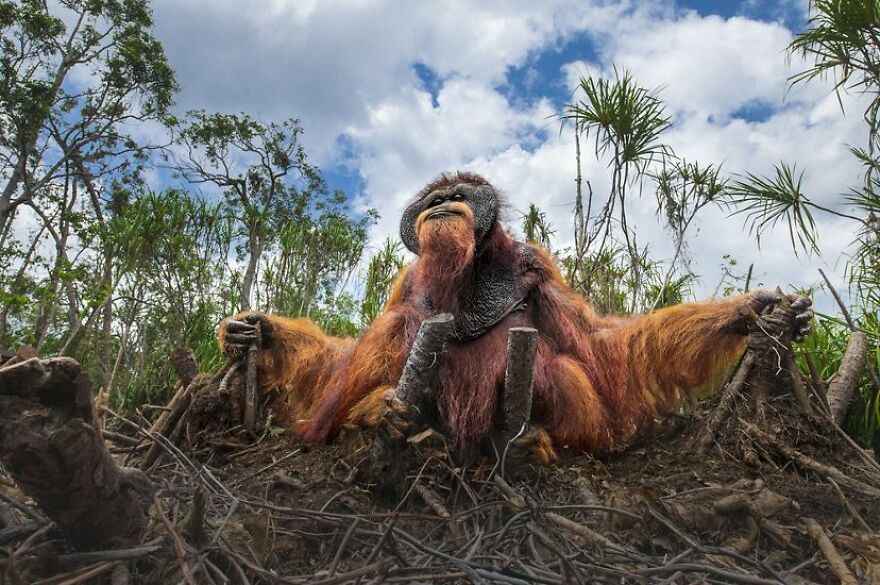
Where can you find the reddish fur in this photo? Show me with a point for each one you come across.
(598, 380)
(471, 378)
(448, 247)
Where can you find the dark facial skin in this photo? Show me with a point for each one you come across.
(482, 199)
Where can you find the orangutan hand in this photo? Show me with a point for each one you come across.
(790, 318)
(803, 317)
(533, 445)
(240, 332)
(399, 417)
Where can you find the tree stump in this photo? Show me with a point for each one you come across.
(516, 404)
(51, 444)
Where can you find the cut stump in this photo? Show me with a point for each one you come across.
(53, 448)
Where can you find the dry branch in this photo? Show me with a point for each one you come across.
(166, 424)
(51, 445)
(840, 392)
(803, 460)
(251, 405)
(835, 561)
(731, 391)
(875, 376)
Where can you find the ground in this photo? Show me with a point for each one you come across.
(232, 507)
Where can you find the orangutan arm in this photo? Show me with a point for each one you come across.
(369, 369)
(295, 358)
(608, 376)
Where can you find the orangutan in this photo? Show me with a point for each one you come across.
(598, 379)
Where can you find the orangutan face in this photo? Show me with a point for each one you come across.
(446, 206)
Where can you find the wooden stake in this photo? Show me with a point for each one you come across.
(416, 385)
(522, 347)
(251, 397)
(416, 392)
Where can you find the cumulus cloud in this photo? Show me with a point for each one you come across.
(347, 70)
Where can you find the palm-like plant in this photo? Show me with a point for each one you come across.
(625, 122)
(535, 226)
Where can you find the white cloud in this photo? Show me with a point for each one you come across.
(345, 68)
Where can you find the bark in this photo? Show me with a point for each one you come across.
(52, 447)
(416, 385)
(835, 561)
(416, 395)
(107, 324)
(255, 249)
(185, 364)
(516, 404)
(187, 369)
(842, 388)
(251, 399)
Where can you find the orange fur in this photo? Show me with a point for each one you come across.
(296, 366)
(369, 411)
(637, 367)
(598, 379)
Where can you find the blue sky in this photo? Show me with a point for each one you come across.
(391, 93)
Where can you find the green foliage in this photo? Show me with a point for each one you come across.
(767, 201)
(841, 38)
(536, 228)
(382, 268)
(624, 119)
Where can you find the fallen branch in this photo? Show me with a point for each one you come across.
(810, 463)
(835, 561)
(725, 405)
(842, 387)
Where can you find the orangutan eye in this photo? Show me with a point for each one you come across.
(435, 202)
(458, 197)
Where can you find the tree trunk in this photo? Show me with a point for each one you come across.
(255, 249)
(107, 325)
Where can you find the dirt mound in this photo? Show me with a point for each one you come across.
(757, 485)
(273, 511)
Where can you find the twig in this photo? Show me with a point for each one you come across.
(96, 556)
(89, 574)
(179, 547)
(875, 376)
(835, 561)
(852, 509)
(377, 567)
(810, 463)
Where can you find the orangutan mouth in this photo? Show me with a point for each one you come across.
(442, 212)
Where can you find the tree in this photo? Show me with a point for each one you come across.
(51, 125)
(268, 184)
(78, 76)
(626, 122)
